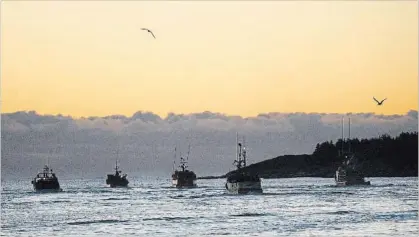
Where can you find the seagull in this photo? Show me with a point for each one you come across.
(149, 31)
(379, 102)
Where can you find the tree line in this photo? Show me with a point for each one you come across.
(383, 155)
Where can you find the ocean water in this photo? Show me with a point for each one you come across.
(150, 207)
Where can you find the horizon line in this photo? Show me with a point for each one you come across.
(202, 112)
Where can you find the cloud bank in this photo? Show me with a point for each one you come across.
(145, 142)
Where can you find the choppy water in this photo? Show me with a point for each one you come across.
(288, 207)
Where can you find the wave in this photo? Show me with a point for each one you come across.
(341, 192)
(97, 190)
(54, 201)
(46, 191)
(397, 216)
(341, 212)
(208, 195)
(197, 196)
(115, 199)
(385, 185)
(95, 222)
(170, 218)
(249, 214)
(177, 196)
(274, 194)
(321, 192)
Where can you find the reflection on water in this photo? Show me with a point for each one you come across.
(288, 207)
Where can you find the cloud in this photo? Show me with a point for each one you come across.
(145, 142)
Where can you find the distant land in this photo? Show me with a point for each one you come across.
(384, 156)
(145, 142)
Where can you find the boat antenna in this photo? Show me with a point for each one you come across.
(189, 150)
(343, 139)
(117, 153)
(237, 148)
(244, 151)
(117, 156)
(239, 160)
(54, 152)
(349, 134)
(174, 160)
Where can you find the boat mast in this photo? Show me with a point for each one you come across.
(349, 134)
(189, 150)
(174, 160)
(343, 139)
(116, 159)
(117, 154)
(237, 148)
(244, 152)
(182, 162)
(239, 161)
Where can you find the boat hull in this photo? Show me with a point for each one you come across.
(116, 185)
(179, 183)
(116, 182)
(349, 179)
(245, 187)
(46, 185)
(346, 183)
(184, 179)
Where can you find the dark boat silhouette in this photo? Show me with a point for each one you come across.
(117, 180)
(240, 181)
(46, 181)
(183, 178)
(349, 173)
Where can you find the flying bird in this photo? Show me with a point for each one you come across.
(149, 31)
(379, 102)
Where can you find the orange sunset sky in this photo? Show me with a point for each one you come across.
(243, 58)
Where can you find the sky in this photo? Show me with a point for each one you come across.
(236, 58)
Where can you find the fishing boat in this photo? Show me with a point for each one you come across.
(117, 180)
(183, 178)
(46, 180)
(349, 173)
(240, 181)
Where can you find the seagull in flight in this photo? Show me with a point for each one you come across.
(149, 31)
(379, 102)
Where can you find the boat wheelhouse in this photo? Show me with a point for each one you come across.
(241, 181)
(117, 180)
(46, 180)
(183, 178)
